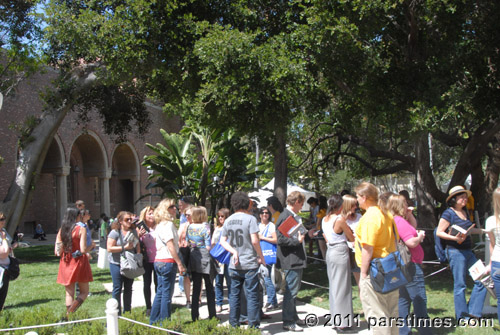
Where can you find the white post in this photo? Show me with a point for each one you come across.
(112, 316)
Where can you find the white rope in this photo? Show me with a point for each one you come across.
(150, 326)
(307, 283)
(435, 273)
(53, 324)
(317, 259)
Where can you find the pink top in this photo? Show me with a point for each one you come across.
(150, 243)
(406, 231)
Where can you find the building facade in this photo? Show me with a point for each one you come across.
(83, 163)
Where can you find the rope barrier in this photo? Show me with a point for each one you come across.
(311, 284)
(150, 326)
(317, 259)
(436, 272)
(53, 324)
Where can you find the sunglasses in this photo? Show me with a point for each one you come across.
(267, 213)
(127, 219)
(172, 206)
(3, 219)
(187, 215)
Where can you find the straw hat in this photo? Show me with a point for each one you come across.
(457, 190)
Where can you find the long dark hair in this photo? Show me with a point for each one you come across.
(67, 226)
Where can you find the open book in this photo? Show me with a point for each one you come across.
(291, 227)
(455, 230)
(478, 272)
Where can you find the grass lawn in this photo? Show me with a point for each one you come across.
(36, 298)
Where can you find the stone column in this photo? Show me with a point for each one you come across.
(61, 194)
(105, 197)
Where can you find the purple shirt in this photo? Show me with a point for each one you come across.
(406, 231)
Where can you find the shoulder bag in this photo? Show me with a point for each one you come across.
(13, 269)
(220, 254)
(393, 271)
(131, 264)
(268, 249)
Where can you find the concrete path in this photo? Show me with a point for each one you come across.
(273, 325)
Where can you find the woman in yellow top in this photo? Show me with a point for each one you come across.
(375, 234)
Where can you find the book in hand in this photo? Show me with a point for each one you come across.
(455, 230)
(478, 272)
(291, 227)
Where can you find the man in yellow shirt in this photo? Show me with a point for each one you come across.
(375, 239)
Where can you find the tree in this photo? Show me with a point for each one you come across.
(399, 71)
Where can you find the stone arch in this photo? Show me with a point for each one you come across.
(49, 201)
(88, 178)
(125, 180)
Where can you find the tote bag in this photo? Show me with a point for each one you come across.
(268, 249)
(220, 254)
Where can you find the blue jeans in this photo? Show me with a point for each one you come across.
(460, 262)
(162, 305)
(118, 282)
(250, 280)
(270, 289)
(495, 275)
(414, 292)
(219, 285)
(289, 314)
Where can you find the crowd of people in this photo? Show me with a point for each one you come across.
(354, 231)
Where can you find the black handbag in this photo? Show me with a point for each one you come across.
(13, 268)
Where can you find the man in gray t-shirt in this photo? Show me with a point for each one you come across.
(240, 237)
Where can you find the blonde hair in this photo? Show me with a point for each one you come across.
(145, 211)
(397, 205)
(294, 197)
(383, 201)
(161, 211)
(349, 202)
(496, 205)
(367, 190)
(199, 214)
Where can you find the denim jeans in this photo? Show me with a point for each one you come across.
(289, 314)
(249, 281)
(460, 262)
(495, 275)
(270, 289)
(219, 285)
(414, 292)
(118, 282)
(148, 277)
(162, 305)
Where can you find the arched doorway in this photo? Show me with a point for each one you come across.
(48, 202)
(125, 180)
(88, 178)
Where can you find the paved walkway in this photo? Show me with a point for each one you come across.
(273, 325)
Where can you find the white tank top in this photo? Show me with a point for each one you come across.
(330, 235)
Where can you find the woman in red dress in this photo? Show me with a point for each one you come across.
(74, 266)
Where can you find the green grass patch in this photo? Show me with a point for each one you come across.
(35, 298)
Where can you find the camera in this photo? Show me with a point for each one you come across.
(77, 254)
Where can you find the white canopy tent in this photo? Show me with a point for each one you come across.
(266, 191)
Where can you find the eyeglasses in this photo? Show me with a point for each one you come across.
(264, 213)
(221, 216)
(172, 206)
(3, 219)
(127, 219)
(187, 215)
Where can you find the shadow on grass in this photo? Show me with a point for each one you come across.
(32, 303)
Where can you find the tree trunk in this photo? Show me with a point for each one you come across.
(491, 177)
(32, 155)
(424, 180)
(280, 168)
